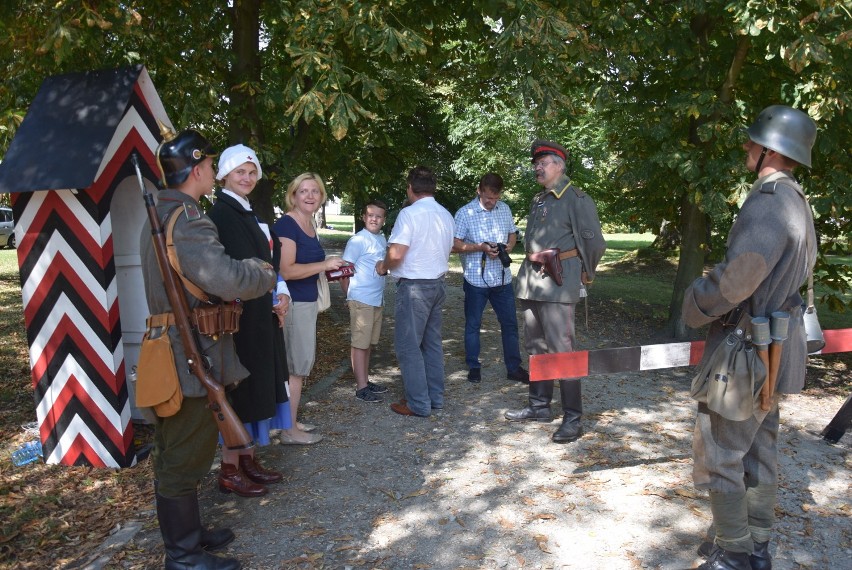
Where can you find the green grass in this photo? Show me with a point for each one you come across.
(618, 245)
(8, 265)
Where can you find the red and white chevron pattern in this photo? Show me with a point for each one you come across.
(70, 298)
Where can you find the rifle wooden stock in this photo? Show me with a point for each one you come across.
(233, 431)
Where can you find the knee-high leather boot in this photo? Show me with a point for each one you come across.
(540, 395)
(572, 412)
(180, 525)
(211, 538)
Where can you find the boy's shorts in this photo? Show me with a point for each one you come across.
(366, 324)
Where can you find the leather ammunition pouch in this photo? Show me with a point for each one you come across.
(550, 261)
(209, 320)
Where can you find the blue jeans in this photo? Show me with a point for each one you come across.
(418, 342)
(503, 302)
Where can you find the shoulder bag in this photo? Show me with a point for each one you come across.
(323, 293)
(730, 379)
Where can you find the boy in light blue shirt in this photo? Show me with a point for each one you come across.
(365, 295)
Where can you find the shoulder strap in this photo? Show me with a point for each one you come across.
(194, 290)
(810, 215)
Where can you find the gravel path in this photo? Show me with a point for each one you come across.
(466, 489)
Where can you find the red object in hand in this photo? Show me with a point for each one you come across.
(341, 272)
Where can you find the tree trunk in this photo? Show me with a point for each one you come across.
(245, 125)
(690, 265)
(358, 205)
(322, 221)
(695, 224)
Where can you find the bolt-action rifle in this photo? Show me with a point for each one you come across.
(233, 431)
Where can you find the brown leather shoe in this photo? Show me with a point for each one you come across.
(402, 409)
(233, 480)
(257, 473)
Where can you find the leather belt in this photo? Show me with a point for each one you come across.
(160, 320)
(563, 255)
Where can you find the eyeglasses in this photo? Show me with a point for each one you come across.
(543, 163)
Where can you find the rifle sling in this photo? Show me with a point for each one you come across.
(194, 290)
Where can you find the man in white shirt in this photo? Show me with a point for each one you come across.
(418, 258)
(485, 234)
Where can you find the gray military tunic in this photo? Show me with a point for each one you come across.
(563, 217)
(185, 443)
(205, 263)
(766, 263)
(771, 247)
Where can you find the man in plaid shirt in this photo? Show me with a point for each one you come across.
(481, 225)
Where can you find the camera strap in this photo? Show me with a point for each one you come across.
(482, 264)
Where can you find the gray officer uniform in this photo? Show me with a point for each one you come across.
(564, 217)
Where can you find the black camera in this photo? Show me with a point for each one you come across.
(502, 254)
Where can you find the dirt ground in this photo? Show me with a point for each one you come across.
(465, 489)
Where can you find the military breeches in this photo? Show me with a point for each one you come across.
(731, 456)
(184, 447)
(548, 327)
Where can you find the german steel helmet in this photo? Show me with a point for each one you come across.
(785, 130)
(178, 154)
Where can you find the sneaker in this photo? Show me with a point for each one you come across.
(474, 375)
(519, 375)
(376, 388)
(367, 395)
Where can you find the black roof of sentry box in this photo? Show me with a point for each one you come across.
(65, 134)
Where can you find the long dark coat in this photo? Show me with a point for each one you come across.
(260, 341)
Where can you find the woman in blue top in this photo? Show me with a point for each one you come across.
(302, 260)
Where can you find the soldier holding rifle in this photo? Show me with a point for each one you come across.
(771, 247)
(185, 443)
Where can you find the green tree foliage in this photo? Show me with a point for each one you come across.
(684, 76)
(649, 96)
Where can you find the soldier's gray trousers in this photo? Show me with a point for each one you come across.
(731, 456)
(738, 463)
(549, 328)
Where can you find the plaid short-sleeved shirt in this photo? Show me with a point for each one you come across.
(475, 224)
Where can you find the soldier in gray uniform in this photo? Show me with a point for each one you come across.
(564, 217)
(185, 443)
(771, 248)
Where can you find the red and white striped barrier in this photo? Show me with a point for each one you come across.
(639, 358)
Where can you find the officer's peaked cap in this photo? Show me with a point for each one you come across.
(542, 147)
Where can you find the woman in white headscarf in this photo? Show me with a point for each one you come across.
(261, 399)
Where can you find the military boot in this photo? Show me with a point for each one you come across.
(538, 410)
(760, 558)
(212, 539)
(721, 559)
(180, 525)
(572, 412)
